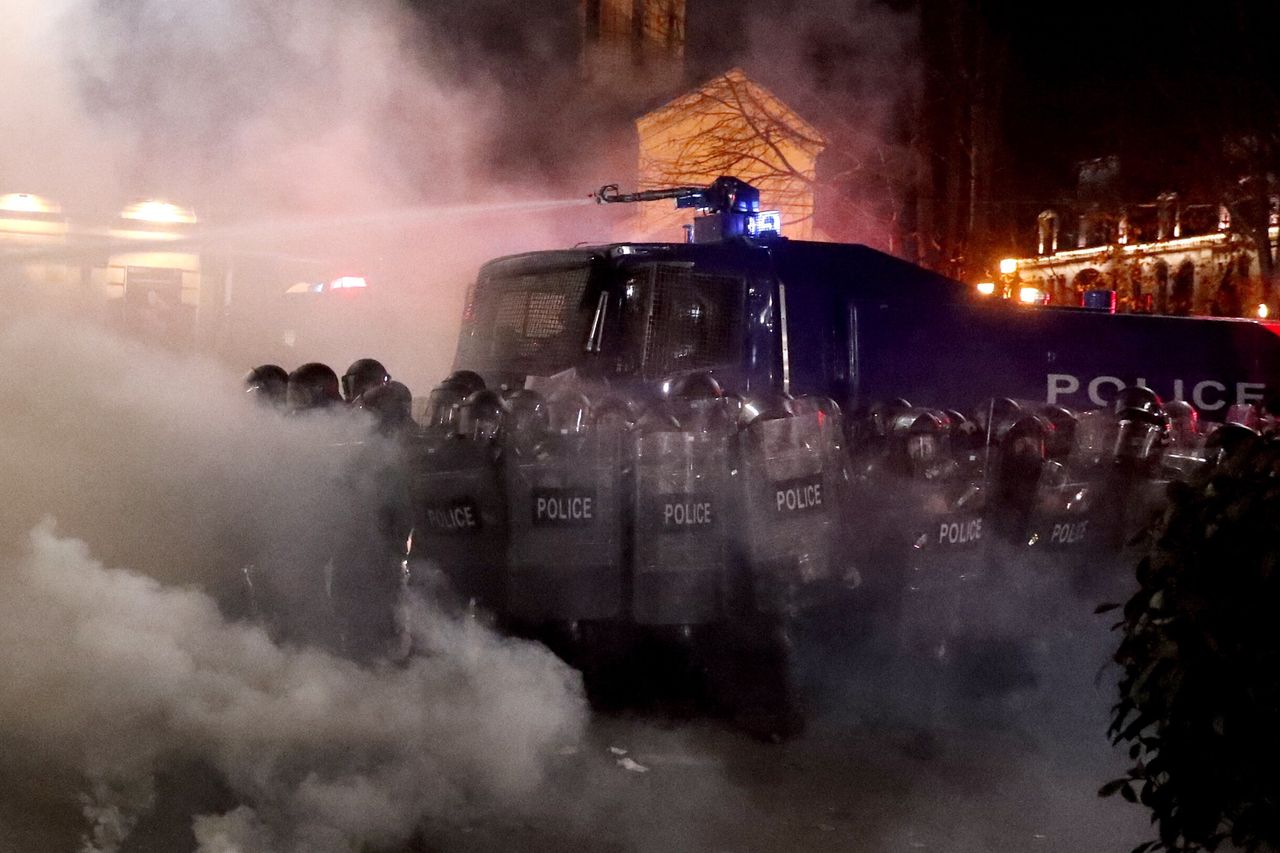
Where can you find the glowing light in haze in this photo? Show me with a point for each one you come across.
(27, 203)
(153, 210)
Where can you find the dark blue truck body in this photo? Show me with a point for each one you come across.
(844, 321)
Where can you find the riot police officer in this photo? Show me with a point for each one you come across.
(698, 402)
(391, 405)
(1023, 454)
(1134, 493)
(369, 541)
(459, 509)
(363, 375)
(481, 416)
(441, 416)
(1229, 441)
(467, 382)
(268, 384)
(312, 387)
(1184, 424)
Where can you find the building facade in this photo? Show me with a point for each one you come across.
(1165, 258)
(730, 125)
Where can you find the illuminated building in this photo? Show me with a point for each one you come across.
(730, 125)
(1163, 257)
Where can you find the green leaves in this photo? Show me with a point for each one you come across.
(1199, 697)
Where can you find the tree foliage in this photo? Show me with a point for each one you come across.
(1199, 706)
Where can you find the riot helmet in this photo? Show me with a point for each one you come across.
(313, 386)
(391, 403)
(880, 416)
(527, 415)
(1026, 440)
(481, 415)
(569, 413)
(699, 385)
(917, 441)
(964, 432)
(467, 382)
(1138, 398)
(925, 440)
(699, 404)
(995, 417)
(1227, 441)
(614, 413)
(268, 384)
(1245, 414)
(362, 375)
(1142, 425)
(657, 417)
(1062, 437)
(1023, 453)
(765, 407)
(1184, 423)
(442, 408)
(813, 404)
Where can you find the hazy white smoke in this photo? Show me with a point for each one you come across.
(232, 104)
(114, 675)
(272, 113)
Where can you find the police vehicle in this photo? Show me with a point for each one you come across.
(843, 321)
(675, 463)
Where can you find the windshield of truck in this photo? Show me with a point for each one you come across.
(527, 322)
(657, 320)
(675, 319)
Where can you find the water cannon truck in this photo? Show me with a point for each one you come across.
(693, 443)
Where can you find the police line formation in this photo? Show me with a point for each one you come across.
(597, 522)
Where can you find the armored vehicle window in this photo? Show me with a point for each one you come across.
(695, 322)
(528, 323)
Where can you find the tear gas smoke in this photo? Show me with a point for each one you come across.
(113, 675)
(287, 126)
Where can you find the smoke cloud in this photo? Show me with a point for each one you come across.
(115, 675)
(293, 130)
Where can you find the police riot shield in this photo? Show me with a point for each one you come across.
(460, 516)
(1063, 520)
(680, 562)
(565, 556)
(789, 509)
(368, 550)
(944, 561)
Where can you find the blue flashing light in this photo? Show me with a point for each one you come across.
(766, 223)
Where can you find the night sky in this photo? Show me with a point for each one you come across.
(1159, 85)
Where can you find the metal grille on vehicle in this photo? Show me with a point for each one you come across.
(695, 322)
(533, 317)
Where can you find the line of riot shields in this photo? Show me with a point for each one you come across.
(967, 516)
(693, 529)
(601, 526)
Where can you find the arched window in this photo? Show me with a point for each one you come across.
(1183, 292)
(1161, 270)
(1141, 301)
